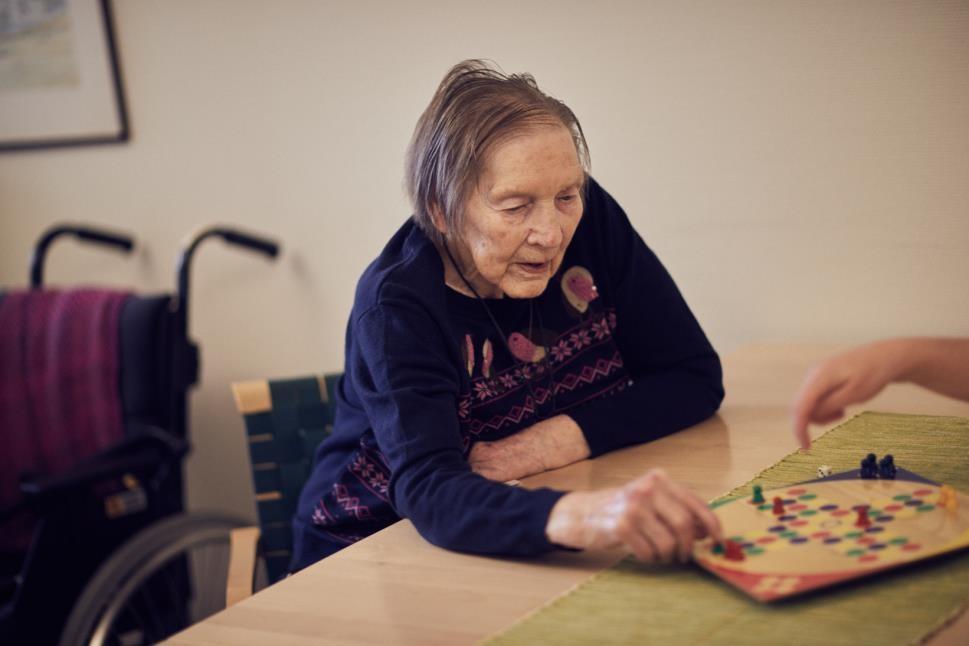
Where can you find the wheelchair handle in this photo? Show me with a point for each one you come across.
(229, 235)
(186, 363)
(119, 241)
(261, 245)
(103, 237)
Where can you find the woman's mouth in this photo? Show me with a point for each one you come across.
(534, 267)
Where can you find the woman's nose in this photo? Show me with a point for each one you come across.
(545, 230)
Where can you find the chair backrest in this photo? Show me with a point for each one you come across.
(286, 419)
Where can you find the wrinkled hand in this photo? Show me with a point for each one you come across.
(653, 517)
(848, 378)
(549, 444)
(503, 460)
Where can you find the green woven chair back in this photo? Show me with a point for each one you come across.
(286, 419)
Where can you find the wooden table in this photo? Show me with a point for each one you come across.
(395, 588)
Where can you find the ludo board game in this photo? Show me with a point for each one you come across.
(814, 534)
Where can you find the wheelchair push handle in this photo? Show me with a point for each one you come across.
(229, 235)
(103, 237)
(120, 241)
(255, 243)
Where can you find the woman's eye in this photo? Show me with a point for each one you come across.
(567, 198)
(515, 210)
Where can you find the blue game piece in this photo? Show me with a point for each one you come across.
(886, 467)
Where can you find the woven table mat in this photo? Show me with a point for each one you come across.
(633, 603)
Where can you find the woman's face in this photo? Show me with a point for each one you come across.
(520, 218)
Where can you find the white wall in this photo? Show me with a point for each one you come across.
(801, 167)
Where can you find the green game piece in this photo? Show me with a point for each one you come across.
(900, 540)
(855, 552)
(902, 496)
(809, 512)
(754, 551)
(808, 496)
(718, 549)
(758, 494)
(766, 507)
(874, 512)
(925, 508)
(853, 534)
(737, 539)
(788, 534)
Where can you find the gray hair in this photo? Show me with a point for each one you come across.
(475, 107)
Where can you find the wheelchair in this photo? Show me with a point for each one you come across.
(108, 553)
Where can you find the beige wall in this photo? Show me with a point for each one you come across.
(802, 168)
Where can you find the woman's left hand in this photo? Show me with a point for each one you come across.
(549, 444)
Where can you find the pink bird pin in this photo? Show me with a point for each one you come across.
(579, 288)
(523, 349)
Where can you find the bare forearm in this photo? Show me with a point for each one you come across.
(939, 364)
(857, 375)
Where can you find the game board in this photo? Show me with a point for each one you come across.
(815, 541)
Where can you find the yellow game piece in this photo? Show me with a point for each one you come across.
(945, 491)
(947, 498)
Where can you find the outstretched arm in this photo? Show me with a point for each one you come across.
(653, 517)
(939, 364)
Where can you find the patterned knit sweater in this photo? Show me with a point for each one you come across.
(610, 342)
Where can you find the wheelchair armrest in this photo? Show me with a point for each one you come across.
(145, 448)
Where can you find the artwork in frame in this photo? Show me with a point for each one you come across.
(60, 84)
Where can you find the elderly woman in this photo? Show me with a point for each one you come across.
(515, 323)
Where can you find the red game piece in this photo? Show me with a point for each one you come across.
(733, 551)
(778, 506)
(863, 520)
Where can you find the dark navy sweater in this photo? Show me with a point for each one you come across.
(610, 342)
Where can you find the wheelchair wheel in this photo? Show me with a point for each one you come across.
(167, 577)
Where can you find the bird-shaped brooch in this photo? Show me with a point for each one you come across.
(579, 288)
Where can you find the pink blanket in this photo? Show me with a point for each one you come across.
(60, 398)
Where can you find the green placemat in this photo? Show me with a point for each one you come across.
(633, 603)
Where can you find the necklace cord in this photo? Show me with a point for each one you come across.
(504, 339)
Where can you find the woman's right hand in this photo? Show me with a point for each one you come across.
(653, 517)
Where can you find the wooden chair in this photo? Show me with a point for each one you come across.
(286, 420)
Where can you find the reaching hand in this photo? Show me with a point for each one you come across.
(939, 364)
(653, 517)
(849, 378)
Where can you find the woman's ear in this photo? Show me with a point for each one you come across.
(437, 217)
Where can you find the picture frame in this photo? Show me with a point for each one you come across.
(60, 79)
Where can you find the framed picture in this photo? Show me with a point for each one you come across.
(60, 83)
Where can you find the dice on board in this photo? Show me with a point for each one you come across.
(824, 471)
